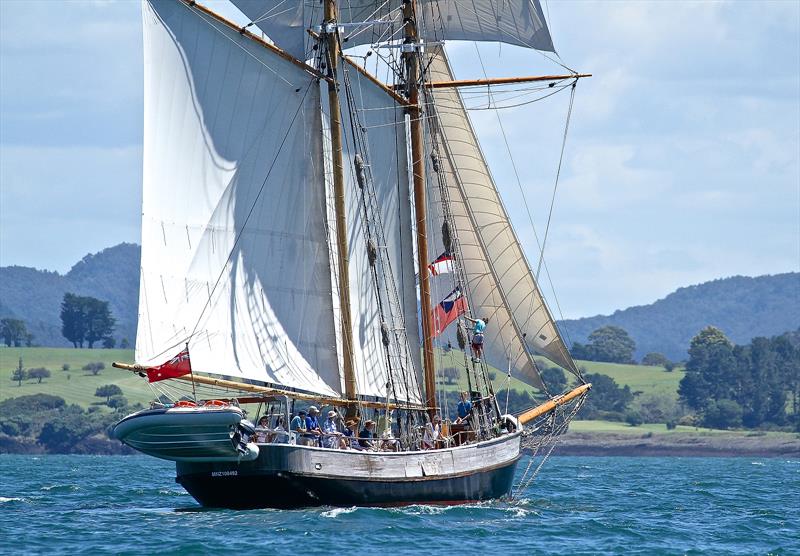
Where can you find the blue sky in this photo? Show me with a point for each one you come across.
(682, 162)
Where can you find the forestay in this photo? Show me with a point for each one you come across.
(376, 131)
(517, 22)
(234, 254)
(498, 277)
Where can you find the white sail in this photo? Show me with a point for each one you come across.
(234, 253)
(499, 280)
(378, 124)
(517, 22)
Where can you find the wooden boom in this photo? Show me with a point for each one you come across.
(252, 388)
(549, 406)
(503, 80)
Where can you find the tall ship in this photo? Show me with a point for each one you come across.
(324, 249)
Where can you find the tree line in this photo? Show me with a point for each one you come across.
(756, 385)
(56, 427)
(84, 320)
(15, 333)
(749, 385)
(613, 344)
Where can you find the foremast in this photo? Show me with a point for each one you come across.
(412, 76)
(330, 37)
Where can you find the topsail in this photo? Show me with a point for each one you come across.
(517, 22)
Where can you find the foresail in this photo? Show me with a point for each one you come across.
(499, 281)
(517, 22)
(234, 253)
(380, 121)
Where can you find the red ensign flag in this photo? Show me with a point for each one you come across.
(175, 367)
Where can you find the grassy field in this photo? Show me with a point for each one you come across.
(648, 380)
(640, 378)
(75, 385)
(78, 386)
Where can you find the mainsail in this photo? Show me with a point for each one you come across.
(234, 254)
(499, 281)
(517, 22)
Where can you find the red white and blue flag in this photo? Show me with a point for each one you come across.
(442, 265)
(448, 311)
(177, 366)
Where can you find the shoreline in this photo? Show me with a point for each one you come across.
(682, 444)
(573, 443)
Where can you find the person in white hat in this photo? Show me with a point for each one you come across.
(330, 432)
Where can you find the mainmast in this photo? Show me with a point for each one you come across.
(331, 37)
(411, 56)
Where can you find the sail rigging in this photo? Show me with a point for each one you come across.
(234, 253)
(378, 211)
(498, 277)
(252, 276)
(517, 22)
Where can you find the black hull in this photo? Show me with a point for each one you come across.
(292, 476)
(286, 490)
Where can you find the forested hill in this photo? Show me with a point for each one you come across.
(742, 307)
(34, 296)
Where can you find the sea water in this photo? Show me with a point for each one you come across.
(576, 505)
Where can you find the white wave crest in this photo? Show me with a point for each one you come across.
(336, 512)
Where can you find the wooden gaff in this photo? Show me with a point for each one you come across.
(252, 388)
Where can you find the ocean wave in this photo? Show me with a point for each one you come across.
(423, 509)
(4, 500)
(336, 512)
(167, 492)
(60, 488)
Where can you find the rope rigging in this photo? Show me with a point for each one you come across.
(540, 244)
(392, 322)
(392, 335)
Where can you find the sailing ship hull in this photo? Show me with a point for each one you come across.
(291, 476)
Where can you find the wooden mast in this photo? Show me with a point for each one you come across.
(418, 165)
(331, 38)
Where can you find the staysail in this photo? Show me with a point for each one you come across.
(373, 125)
(234, 254)
(517, 22)
(499, 280)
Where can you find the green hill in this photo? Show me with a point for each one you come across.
(34, 296)
(742, 307)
